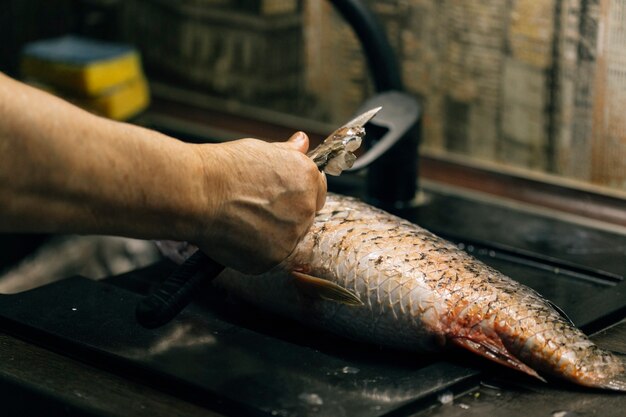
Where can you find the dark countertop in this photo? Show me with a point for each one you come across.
(73, 348)
(37, 381)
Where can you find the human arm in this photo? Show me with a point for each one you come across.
(246, 203)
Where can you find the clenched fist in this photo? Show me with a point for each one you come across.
(261, 200)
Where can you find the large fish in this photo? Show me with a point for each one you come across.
(372, 276)
(369, 275)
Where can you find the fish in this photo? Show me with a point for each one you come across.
(366, 274)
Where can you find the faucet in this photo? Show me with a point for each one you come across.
(393, 136)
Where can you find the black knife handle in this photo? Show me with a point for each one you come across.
(176, 291)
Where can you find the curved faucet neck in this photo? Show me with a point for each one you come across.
(381, 59)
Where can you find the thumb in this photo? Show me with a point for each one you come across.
(299, 141)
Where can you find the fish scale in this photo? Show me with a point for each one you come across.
(420, 292)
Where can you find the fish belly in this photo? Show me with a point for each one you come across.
(373, 322)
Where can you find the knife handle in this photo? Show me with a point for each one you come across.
(173, 295)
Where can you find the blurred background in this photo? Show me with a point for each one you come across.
(515, 85)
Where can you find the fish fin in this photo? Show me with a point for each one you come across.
(561, 312)
(617, 382)
(325, 289)
(496, 352)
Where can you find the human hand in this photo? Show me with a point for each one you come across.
(246, 203)
(262, 198)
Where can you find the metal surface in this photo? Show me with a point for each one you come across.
(241, 361)
(341, 144)
(399, 115)
(359, 121)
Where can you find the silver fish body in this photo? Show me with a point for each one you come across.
(417, 291)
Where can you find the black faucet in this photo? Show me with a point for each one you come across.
(393, 136)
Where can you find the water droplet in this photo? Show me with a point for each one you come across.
(349, 370)
(492, 253)
(464, 406)
(311, 398)
(74, 309)
(446, 397)
(559, 414)
(461, 246)
(470, 248)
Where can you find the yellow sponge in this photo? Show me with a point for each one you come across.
(83, 66)
(104, 78)
(119, 103)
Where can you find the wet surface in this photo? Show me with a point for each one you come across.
(241, 361)
(497, 397)
(237, 359)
